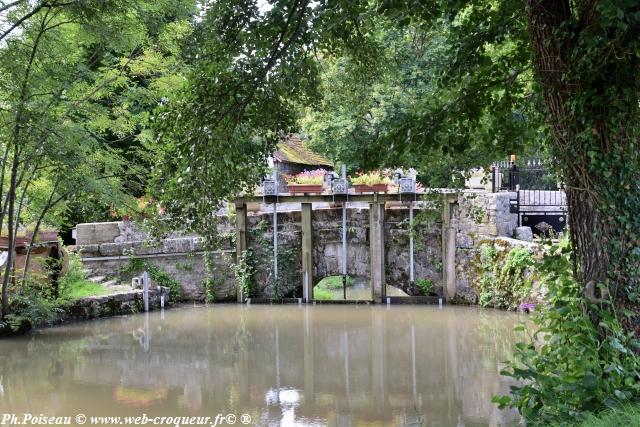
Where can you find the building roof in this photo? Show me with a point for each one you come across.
(292, 150)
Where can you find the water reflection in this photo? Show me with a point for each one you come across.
(288, 365)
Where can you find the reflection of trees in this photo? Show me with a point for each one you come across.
(364, 363)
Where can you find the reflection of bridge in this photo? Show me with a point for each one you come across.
(375, 234)
(365, 363)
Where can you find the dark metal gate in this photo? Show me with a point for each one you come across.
(540, 202)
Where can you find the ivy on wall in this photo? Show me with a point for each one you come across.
(506, 276)
(289, 278)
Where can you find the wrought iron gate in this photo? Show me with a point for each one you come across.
(540, 202)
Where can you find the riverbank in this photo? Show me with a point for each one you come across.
(88, 308)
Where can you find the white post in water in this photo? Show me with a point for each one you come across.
(413, 363)
(411, 279)
(146, 333)
(305, 291)
(275, 236)
(145, 290)
(344, 239)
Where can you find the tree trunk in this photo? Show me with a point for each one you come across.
(594, 145)
(8, 271)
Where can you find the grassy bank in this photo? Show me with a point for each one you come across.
(627, 416)
(322, 291)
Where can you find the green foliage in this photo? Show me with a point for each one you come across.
(244, 271)
(322, 294)
(627, 415)
(209, 283)
(506, 281)
(572, 367)
(333, 283)
(288, 261)
(425, 286)
(371, 178)
(79, 80)
(31, 305)
(73, 284)
(215, 135)
(158, 275)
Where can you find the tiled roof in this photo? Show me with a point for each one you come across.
(292, 150)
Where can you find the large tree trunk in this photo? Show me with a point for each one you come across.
(591, 114)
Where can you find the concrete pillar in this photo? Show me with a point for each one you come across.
(376, 251)
(307, 252)
(241, 238)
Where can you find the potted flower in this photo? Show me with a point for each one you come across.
(306, 182)
(372, 182)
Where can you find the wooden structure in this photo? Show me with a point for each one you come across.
(376, 203)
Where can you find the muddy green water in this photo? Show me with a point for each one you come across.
(282, 365)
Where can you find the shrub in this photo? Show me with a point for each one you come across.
(571, 367)
(30, 305)
(504, 282)
(425, 286)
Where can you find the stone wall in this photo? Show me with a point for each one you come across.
(106, 249)
(327, 249)
(479, 217)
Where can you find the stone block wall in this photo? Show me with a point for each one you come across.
(327, 249)
(106, 249)
(479, 217)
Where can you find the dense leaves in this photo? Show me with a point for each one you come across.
(78, 81)
(570, 368)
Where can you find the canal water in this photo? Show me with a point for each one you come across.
(280, 365)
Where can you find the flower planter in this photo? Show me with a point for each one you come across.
(375, 188)
(304, 188)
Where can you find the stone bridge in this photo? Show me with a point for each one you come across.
(309, 240)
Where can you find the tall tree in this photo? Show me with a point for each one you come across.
(78, 79)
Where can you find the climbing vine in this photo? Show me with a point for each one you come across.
(209, 281)
(288, 274)
(244, 270)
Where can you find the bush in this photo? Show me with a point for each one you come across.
(504, 282)
(30, 305)
(425, 286)
(571, 367)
